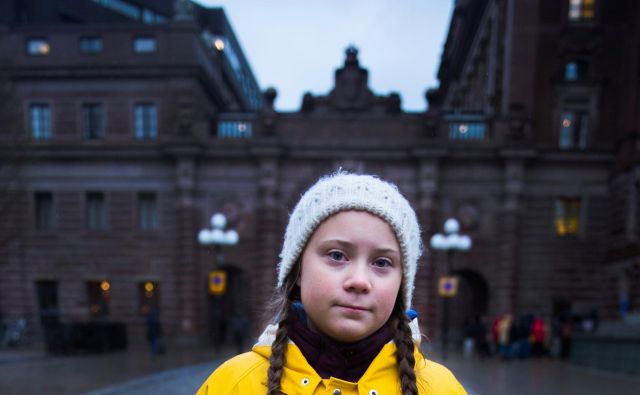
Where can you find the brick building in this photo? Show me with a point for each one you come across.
(529, 141)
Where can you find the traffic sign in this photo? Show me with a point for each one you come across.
(217, 282)
(448, 286)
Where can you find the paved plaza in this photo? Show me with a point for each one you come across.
(183, 369)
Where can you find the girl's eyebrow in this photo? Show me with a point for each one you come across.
(348, 244)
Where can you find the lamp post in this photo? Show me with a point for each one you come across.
(450, 242)
(218, 237)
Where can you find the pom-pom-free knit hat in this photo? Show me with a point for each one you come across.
(343, 191)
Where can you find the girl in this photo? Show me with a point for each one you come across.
(345, 282)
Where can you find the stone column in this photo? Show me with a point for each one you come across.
(188, 285)
(269, 232)
(425, 298)
(504, 292)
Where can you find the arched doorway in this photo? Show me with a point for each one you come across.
(234, 300)
(470, 303)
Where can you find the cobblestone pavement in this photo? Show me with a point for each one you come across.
(182, 371)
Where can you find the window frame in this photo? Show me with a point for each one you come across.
(147, 132)
(103, 223)
(142, 224)
(36, 212)
(579, 215)
(84, 105)
(137, 40)
(102, 299)
(31, 40)
(84, 51)
(48, 132)
(581, 19)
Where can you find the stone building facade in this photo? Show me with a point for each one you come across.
(529, 141)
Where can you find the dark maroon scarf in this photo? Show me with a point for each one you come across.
(331, 358)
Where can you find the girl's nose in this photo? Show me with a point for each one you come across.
(357, 278)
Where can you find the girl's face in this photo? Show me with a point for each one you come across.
(350, 275)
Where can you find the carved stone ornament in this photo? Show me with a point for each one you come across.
(351, 90)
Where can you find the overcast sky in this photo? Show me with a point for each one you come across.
(295, 45)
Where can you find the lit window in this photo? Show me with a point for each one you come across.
(575, 70)
(466, 131)
(147, 211)
(90, 45)
(38, 47)
(98, 297)
(234, 129)
(146, 123)
(144, 44)
(96, 211)
(40, 120)
(567, 215)
(148, 297)
(581, 10)
(43, 210)
(92, 125)
(573, 129)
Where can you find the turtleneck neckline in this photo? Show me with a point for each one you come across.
(332, 358)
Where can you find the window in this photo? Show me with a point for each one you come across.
(144, 44)
(573, 129)
(234, 129)
(92, 125)
(43, 210)
(96, 211)
(40, 120)
(146, 121)
(98, 297)
(90, 45)
(466, 131)
(581, 10)
(567, 216)
(47, 293)
(148, 297)
(147, 211)
(38, 47)
(575, 70)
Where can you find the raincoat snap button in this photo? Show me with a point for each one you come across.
(304, 381)
(373, 392)
(337, 392)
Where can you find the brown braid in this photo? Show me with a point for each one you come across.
(281, 306)
(405, 347)
(277, 358)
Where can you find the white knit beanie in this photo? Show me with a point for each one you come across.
(343, 191)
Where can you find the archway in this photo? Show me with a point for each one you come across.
(222, 308)
(470, 303)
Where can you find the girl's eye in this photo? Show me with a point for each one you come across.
(382, 262)
(336, 255)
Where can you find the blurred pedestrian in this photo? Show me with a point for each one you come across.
(239, 330)
(538, 337)
(154, 332)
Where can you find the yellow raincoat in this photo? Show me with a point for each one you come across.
(246, 374)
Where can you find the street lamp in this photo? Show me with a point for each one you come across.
(217, 236)
(450, 242)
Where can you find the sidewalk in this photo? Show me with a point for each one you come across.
(36, 372)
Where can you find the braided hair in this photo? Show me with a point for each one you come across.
(281, 309)
(405, 359)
